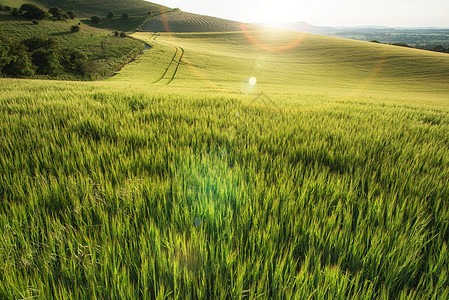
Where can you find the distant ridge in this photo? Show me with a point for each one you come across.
(179, 21)
(302, 27)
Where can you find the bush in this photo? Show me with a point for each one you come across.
(7, 8)
(15, 12)
(122, 34)
(35, 22)
(2, 7)
(74, 28)
(95, 19)
(125, 16)
(47, 62)
(58, 13)
(401, 45)
(375, 41)
(110, 15)
(36, 42)
(72, 15)
(33, 12)
(74, 61)
(116, 33)
(19, 63)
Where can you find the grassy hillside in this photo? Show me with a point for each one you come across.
(137, 11)
(105, 52)
(176, 178)
(87, 8)
(287, 63)
(179, 21)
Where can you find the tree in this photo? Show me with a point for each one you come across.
(58, 13)
(72, 15)
(74, 61)
(74, 28)
(19, 63)
(438, 48)
(15, 12)
(95, 19)
(36, 42)
(47, 62)
(125, 16)
(33, 12)
(401, 45)
(110, 14)
(4, 52)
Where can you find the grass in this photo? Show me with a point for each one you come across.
(328, 179)
(180, 21)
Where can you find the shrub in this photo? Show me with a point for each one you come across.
(19, 63)
(401, 45)
(74, 28)
(2, 7)
(375, 41)
(116, 33)
(125, 16)
(37, 42)
(110, 15)
(15, 12)
(58, 13)
(74, 61)
(33, 12)
(7, 8)
(35, 22)
(72, 15)
(47, 62)
(122, 34)
(95, 19)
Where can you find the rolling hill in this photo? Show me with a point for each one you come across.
(251, 164)
(88, 8)
(296, 61)
(179, 21)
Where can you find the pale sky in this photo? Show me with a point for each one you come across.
(404, 13)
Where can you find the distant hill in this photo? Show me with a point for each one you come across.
(179, 21)
(303, 27)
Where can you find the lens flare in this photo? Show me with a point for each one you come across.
(253, 81)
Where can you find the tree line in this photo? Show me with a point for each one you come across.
(41, 56)
(435, 48)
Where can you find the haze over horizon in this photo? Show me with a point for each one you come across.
(398, 13)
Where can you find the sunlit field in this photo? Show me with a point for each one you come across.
(323, 177)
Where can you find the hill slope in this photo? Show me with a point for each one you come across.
(179, 21)
(296, 61)
(103, 52)
(87, 8)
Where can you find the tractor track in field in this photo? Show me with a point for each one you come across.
(177, 66)
(166, 75)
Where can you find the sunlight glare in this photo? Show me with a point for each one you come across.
(253, 81)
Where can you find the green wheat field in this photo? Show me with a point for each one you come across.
(327, 177)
